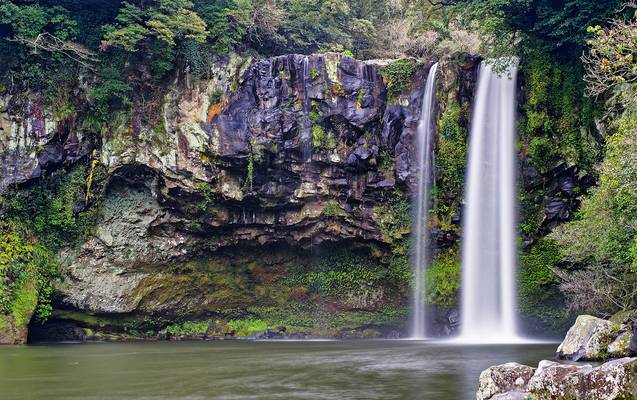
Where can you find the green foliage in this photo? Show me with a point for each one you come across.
(187, 328)
(50, 206)
(250, 172)
(542, 152)
(315, 116)
(360, 96)
(557, 27)
(27, 270)
(398, 76)
(346, 271)
(216, 96)
(247, 327)
(393, 216)
(604, 226)
(387, 161)
(558, 119)
(165, 21)
(540, 297)
(332, 209)
(314, 74)
(29, 20)
(443, 279)
(322, 140)
(207, 193)
(227, 22)
(450, 165)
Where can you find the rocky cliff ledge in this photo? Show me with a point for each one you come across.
(276, 184)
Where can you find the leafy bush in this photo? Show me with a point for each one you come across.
(393, 216)
(247, 327)
(443, 279)
(332, 209)
(342, 271)
(539, 293)
(398, 76)
(322, 140)
(26, 273)
(450, 165)
(187, 328)
(600, 242)
(557, 118)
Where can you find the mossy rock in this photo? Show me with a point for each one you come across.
(623, 317)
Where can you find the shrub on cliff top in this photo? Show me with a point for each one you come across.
(398, 76)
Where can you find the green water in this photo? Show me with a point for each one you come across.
(253, 370)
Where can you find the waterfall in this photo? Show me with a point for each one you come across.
(424, 167)
(488, 313)
(306, 125)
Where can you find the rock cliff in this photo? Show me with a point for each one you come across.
(207, 204)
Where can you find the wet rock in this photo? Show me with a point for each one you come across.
(614, 380)
(587, 339)
(503, 379)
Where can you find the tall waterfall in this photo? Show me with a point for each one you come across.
(306, 124)
(489, 305)
(422, 199)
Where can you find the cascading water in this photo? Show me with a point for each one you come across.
(306, 124)
(488, 313)
(424, 167)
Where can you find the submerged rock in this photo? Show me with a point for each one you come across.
(587, 339)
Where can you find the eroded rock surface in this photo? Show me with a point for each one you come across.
(510, 379)
(613, 380)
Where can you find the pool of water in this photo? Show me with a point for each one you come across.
(380, 369)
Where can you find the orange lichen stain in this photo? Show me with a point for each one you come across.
(215, 109)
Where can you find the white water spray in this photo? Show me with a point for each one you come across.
(489, 306)
(421, 203)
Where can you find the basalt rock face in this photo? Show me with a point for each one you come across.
(230, 184)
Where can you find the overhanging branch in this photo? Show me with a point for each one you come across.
(49, 43)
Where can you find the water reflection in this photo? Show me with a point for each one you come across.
(254, 370)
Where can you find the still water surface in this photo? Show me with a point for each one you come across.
(253, 370)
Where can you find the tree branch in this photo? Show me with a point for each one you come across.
(49, 43)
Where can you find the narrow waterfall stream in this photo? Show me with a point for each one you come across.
(489, 305)
(306, 126)
(424, 167)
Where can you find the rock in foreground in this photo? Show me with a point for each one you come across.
(615, 379)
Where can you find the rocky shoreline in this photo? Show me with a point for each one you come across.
(589, 339)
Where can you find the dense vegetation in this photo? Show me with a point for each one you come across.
(99, 58)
